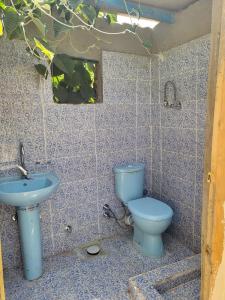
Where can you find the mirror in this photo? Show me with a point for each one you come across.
(75, 80)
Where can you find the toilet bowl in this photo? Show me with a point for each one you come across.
(151, 217)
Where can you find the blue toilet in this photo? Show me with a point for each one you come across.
(151, 217)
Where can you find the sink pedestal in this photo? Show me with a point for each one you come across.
(30, 241)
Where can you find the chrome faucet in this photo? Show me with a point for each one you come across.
(22, 167)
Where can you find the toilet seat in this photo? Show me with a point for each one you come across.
(150, 208)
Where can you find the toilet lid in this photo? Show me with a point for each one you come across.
(150, 208)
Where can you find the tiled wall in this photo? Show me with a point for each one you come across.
(81, 143)
(178, 135)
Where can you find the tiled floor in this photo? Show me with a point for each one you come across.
(77, 276)
(186, 291)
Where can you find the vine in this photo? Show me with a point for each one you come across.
(31, 20)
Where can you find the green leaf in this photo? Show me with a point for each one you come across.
(1, 28)
(44, 48)
(58, 28)
(17, 34)
(64, 63)
(60, 94)
(74, 3)
(40, 26)
(42, 70)
(147, 44)
(111, 18)
(55, 71)
(90, 13)
(11, 21)
(2, 5)
(87, 92)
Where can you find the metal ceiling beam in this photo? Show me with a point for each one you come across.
(145, 11)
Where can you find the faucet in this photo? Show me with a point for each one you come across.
(22, 167)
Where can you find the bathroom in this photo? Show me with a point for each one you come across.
(84, 145)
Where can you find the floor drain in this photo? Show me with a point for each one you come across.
(93, 250)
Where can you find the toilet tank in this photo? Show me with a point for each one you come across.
(129, 181)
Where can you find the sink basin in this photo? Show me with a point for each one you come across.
(21, 192)
(26, 194)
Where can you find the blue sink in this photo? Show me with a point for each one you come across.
(27, 192)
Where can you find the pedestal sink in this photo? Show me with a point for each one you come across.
(26, 195)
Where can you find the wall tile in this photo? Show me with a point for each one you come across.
(144, 156)
(68, 143)
(110, 116)
(154, 67)
(69, 116)
(115, 138)
(144, 136)
(106, 161)
(82, 143)
(119, 65)
(156, 182)
(202, 84)
(185, 87)
(74, 168)
(155, 92)
(201, 114)
(142, 64)
(198, 195)
(156, 115)
(177, 189)
(184, 118)
(143, 92)
(143, 114)
(156, 159)
(117, 91)
(203, 50)
(176, 164)
(200, 142)
(179, 140)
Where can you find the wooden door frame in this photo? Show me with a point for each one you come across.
(213, 213)
(2, 290)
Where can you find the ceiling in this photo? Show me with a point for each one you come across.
(173, 5)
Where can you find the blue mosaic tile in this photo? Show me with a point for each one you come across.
(116, 91)
(120, 65)
(177, 189)
(155, 92)
(114, 139)
(142, 63)
(156, 137)
(201, 114)
(179, 165)
(106, 161)
(179, 140)
(74, 168)
(111, 116)
(67, 276)
(144, 137)
(143, 92)
(154, 67)
(143, 114)
(200, 142)
(202, 84)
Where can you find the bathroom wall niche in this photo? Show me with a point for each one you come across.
(76, 80)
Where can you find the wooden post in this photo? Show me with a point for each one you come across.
(2, 290)
(213, 216)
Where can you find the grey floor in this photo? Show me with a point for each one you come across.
(186, 291)
(77, 276)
